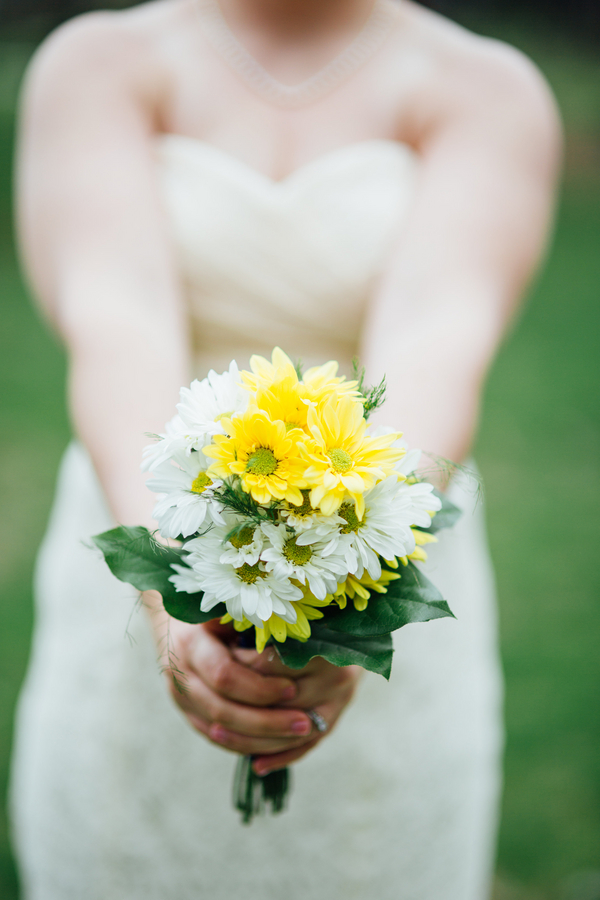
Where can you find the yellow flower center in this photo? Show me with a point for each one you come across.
(299, 556)
(201, 482)
(250, 574)
(348, 512)
(262, 462)
(243, 537)
(340, 460)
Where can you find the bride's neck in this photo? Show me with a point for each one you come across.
(297, 19)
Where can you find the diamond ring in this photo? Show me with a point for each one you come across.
(318, 720)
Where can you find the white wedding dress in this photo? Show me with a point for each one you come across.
(114, 797)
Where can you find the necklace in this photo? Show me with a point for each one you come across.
(369, 39)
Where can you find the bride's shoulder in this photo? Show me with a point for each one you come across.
(467, 73)
(118, 47)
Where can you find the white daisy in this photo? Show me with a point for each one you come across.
(384, 529)
(173, 440)
(203, 405)
(421, 493)
(422, 500)
(287, 558)
(186, 579)
(247, 591)
(409, 462)
(244, 546)
(200, 410)
(187, 500)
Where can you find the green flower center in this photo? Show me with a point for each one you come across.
(305, 508)
(243, 537)
(340, 460)
(201, 482)
(348, 512)
(250, 574)
(262, 462)
(299, 556)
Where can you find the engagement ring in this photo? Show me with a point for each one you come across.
(318, 720)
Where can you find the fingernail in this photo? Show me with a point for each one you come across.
(290, 692)
(262, 770)
(301, 726)
(218, 733)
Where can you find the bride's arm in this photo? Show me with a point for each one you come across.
(483, 205)
(94, 246)
(489, 156)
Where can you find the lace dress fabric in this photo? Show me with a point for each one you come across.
(113, 794)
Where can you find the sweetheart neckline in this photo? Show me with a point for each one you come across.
(297, 173)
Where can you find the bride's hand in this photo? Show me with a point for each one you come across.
(230, 704)
(243, 701)
(321, 687)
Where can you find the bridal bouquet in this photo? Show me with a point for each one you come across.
(300, 524)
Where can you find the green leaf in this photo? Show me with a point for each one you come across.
(412, 598)
(135, 557)
(372, 652)
(186, 607)
(446, 517)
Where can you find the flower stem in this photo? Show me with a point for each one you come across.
(252, 793)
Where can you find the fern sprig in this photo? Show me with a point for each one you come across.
(447, 469)
(373, 397)
(233, 497)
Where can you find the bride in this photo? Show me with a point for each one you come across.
(200, 180)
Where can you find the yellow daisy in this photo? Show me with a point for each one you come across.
(323, 382)
(287, 400)
(265, 373)
(418, 554)
(358, 589)
(341, 459)
(317, 384)
(264, 455)
(277, 628)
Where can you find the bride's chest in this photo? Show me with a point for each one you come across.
(330, 223)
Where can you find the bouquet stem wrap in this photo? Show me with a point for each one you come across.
(253, 794)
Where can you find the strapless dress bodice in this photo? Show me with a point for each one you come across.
(289, 263)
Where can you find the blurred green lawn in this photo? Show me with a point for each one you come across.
(538, 449)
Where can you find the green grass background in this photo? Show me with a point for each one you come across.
(538, 449)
